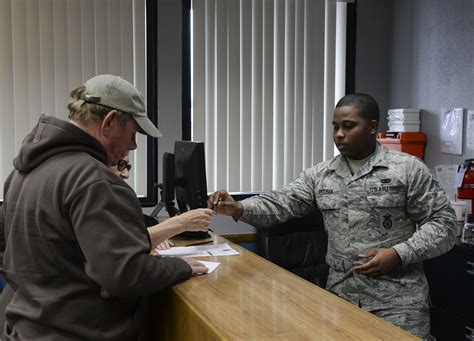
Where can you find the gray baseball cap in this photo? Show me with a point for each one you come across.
(116, 93)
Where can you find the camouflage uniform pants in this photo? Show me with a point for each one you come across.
(415, 318)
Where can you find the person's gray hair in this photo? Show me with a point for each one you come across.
(88, 113)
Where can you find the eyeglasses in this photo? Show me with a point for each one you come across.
(122, 165)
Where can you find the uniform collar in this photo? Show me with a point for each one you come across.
(339, 164)
(340, 167)
(379, 158)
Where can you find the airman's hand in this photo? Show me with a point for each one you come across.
(223, 203)
(379, 262)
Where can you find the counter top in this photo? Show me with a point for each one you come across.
(248, 297)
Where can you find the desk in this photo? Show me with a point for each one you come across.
(248, 297)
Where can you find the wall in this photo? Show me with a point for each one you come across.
(431, 48)
(169, 76)
(169, 80)
(432, 68)
(374, 52)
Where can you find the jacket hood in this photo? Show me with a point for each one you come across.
(52, 136)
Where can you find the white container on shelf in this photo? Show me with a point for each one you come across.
(461, 208)
(468, 230)
(402, 127)
(392, 121)
(404, 114)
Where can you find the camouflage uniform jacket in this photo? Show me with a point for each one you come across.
(392, 201)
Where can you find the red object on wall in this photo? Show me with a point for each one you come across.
(466, 191)
(412, 143)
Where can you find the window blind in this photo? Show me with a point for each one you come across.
(50, 47)
(266, 75)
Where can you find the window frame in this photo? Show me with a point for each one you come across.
(151, 15)
(186, 70)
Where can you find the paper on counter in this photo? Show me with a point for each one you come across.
(223, 249)
(181, 251)
(211, 266)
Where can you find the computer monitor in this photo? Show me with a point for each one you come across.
(167, 188)
(168, 184)
(190, 179)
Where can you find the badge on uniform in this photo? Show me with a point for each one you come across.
(387, 221)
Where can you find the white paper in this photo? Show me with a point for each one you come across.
(181, 251)
(451, 131)
(223, 249)
(210, 265)
(470, 130)
(446, 176)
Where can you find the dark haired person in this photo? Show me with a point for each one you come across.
(157, 233)
(383, 211)
(73, 244)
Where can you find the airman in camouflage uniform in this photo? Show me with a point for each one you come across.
(393, 201)
(382, 220)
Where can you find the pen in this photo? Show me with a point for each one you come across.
(217, 203)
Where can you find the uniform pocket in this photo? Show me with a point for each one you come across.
(328, 202)
(391, 200)
(330, 207)
(387, 210)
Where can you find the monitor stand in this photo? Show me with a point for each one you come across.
(194, 235)
(167, 205)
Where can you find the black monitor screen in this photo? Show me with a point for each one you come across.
(167, 187)
(168, 184)
(190, 178)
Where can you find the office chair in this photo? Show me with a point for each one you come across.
(298, 245)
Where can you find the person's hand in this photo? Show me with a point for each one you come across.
(196, 220)
(381, 262)
(165, 245)
(223, 203)
(196, 266)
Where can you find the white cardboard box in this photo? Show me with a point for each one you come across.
(403, 110)
(397, 121)
(403, 127)
(404, 114)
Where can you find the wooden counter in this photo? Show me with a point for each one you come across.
(248, 297)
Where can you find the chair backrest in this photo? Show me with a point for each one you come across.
(298, 245)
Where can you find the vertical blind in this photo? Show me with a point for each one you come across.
(50, 47)
(266, 75)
